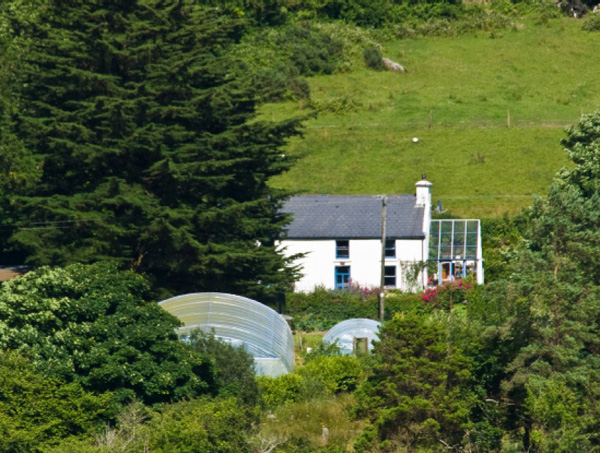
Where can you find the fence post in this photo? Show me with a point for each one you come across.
(507, 118)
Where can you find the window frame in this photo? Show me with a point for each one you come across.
(390, 248)
(387, 275)
(342, 251)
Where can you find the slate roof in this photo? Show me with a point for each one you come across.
(353, 217)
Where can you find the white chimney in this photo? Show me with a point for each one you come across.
(423, 194)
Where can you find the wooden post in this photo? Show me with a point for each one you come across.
(383, 235)
(360, 346)
(507, 118)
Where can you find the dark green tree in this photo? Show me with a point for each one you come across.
(92, 325)
(140, 144)
(417, 397)
(582, 146)
(551, 303)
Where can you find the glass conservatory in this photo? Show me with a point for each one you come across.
(455, 245)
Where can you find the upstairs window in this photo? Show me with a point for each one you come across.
(390, 248)
(342, 249)
(389, 278)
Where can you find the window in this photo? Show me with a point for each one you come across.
(342, 277)
(390, 248)
(342, 249)
(389, 278)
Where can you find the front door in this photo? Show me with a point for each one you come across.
(342, 277)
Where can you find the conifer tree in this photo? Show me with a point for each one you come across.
(553, 293)
(140, 143)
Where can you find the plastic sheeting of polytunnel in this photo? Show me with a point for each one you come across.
(240, 321)
(346, 331)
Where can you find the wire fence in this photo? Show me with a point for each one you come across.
(351, 124)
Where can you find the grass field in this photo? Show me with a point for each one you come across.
(488, 109)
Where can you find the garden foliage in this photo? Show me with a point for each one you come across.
(234, 367)
(202, 425)
(37, 411)
(93, 326)
(322, 309)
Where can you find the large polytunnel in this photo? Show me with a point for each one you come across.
(345, 332)
(241, 321)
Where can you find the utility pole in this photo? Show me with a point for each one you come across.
(382, 280)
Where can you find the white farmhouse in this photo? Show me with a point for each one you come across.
(342, 236)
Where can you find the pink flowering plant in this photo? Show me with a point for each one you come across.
(366, 291)
(447, 294)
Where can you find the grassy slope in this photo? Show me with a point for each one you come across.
(544, 75)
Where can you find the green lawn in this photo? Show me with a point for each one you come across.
(456, 97)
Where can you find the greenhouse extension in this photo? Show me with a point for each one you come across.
(345, 333)
(240, 321)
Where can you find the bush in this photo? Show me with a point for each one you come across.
(201, 425)
(38, 411)
(310, 51)
(280, 390)
(281, 82)
(322, 309)
(93, 325)
(373, 58)
(592, 23)
(334, 373)
(234, 367)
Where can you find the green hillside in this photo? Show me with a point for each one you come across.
(488, 109)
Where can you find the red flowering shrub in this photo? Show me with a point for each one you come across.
(446, 294)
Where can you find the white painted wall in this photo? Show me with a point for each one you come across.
(366, 262)
(318, 266)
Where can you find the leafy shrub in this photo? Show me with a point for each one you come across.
(281, 82)
(310, 51)
(234, 367)
(400, 302)
(592, 23)
(443, 19)
(338, 104)
(322, 309)
(365, 13)
(38, 411)
(373, 58)
(200, 425)
(91, 324)
(280, 390)
(337, 373)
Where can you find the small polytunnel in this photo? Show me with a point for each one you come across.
(240, 321)
(345, 332)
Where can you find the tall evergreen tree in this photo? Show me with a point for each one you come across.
(553, 296)
(142, 146)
